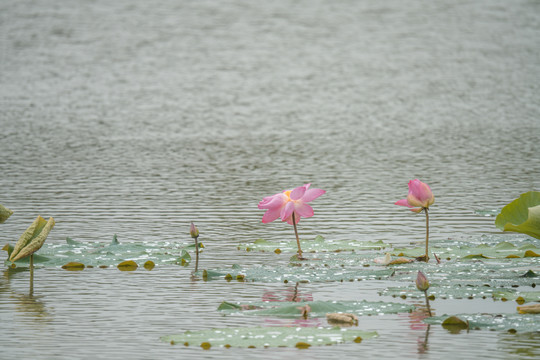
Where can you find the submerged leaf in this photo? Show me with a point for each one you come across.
(149, 265)
(32, 239)
(521, 215)
(264, 337)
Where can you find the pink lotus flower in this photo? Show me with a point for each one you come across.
(289, 203)
(419, 198)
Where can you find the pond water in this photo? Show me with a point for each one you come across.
(134, 118)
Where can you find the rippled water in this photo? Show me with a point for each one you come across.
(135, 118)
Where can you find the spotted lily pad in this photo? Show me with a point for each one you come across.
(99, 254)
(268, 337)
(319, 309)
(521, 215)
(319, 244)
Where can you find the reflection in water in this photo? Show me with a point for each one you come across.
(289, 294)
(524, 345)
(293, 294)
(29, 306)
(417, 324)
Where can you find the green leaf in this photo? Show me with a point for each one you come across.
(319, 244)
(483, 251)
(96, 254)
(521, 215)
(301, 274)
(264, 337)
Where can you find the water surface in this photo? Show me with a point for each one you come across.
(135, 118)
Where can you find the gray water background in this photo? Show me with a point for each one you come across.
(135, 118)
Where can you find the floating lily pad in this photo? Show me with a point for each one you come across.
(521, 215)
(99, 254)
(319, 309)
(499, 251)
(512, 294)
(297, 274)
(265, 337)
(514, 322)
(319, 244)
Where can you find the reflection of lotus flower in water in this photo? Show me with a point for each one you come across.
(290, 206)
(32, 239)
(4, 213)
(290, 294)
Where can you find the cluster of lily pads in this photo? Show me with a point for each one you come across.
(498, 270)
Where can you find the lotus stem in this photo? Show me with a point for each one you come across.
(427, 303)
(427, 232)
(31, 274)
(196, 254)
(297, 238)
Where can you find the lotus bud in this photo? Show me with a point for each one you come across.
(422, 282)
(193, 231)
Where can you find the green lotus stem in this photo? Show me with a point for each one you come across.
(196, 255)
(297, 238)
(427, 232)
(427, 303)
(31, 274)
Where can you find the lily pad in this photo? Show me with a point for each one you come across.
(502, 322)
(319, 309)
(297, 274)
(511, 294)
(521, 215)
(319, 244)
(99, 254)
(268, 337)
(483, 251)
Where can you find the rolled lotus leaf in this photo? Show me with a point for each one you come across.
(521, 215)
(4, 213)
(32, 239)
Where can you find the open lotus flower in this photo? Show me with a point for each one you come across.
(420, 196)
(290, 203)
(290, 206)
